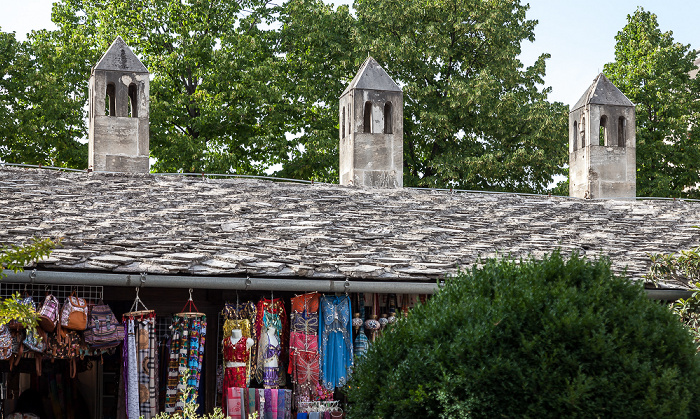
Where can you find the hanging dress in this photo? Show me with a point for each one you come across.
(335, 341)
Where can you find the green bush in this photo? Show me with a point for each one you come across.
(532, 339)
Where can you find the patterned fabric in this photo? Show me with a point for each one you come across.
(306, 369)
(306, 303)
(271, 315)
(186, 356)
(304, 322)
(245, 327)
(173, 373)
(303, 342)
(132, 381)
(335, 343)
(147, 371)
(242, 316)
(235, 352)
(361, 344)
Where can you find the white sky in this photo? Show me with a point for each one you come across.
(580, 36)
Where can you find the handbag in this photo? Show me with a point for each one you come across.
(104, 330)
(74, 314)
(48, 314)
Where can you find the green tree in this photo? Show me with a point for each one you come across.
(473, 116)
(316, 43)
(42, 98)
(532, 339)
(651, 69)
(212, 108)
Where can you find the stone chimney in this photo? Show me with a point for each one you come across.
(118, 114)
(371, 129)
(602, 143)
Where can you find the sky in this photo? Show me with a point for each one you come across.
(580, 36)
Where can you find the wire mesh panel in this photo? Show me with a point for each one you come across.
(91, 293)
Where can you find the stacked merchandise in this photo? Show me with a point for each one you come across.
(268, 403)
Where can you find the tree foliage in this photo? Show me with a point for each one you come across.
(252, 87)
(652, 70)
(41, 102)
(212, 107)
(531, 339)
(16, 257)
(473, 116)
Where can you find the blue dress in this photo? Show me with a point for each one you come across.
(334, 341)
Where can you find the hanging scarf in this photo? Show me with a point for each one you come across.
(132, 386)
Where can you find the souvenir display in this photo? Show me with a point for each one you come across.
(335, 341)
(242, 317)
(315, 343)
(189, 329)
(236, 352)
(271, 327)
(139, 356)
(304, 364)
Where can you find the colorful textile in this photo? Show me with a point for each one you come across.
(306, 368)
(242, 316)
(271, 377)
(235, 352)
(270, 345)
(235, 403)
(335, 342)
(147, 371)
(185, 360)
(233, 377)
(306, 303)
(304, 323)
(173, 373)
(132, 381)
(361, 344)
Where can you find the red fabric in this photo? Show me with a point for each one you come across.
(233, 377)
(305, 368)
(236, 352)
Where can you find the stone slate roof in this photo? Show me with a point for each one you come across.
(119, 57)
(196, 226)
(371, 76)
(602, 92)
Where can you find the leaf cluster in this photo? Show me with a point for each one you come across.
(16, 257)
(530, 339)
(652, 70)
(252, 87)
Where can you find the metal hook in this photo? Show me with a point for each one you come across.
(190, 295)
(143, 278)
(32, 276)
(346, 286)
(247, 282)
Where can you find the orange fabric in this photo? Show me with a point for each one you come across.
(306, 302)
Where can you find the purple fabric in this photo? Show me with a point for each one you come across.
(271, 376)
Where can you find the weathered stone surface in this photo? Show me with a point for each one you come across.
(137, 223)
